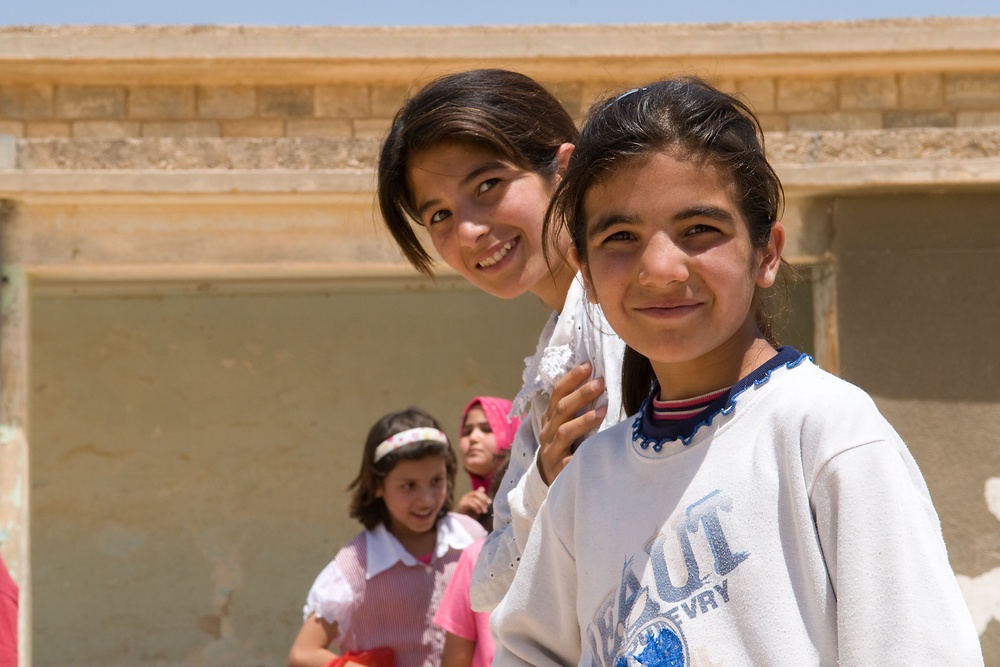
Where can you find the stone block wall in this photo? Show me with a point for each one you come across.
(48, 109)
(784, 103)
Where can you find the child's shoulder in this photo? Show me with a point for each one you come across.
(355, 549)
(455, 522)
(816, 391)
(827, 415)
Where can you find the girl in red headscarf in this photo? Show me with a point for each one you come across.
(487, 432)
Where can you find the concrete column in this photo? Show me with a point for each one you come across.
(14, 486)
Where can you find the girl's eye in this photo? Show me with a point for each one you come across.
(438, 216)
(618, 236)
(488, 184)
(700, 229)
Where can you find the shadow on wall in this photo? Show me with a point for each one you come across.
(919, 304)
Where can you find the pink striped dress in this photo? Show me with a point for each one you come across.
(379, 594)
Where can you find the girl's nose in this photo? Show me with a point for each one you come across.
(470, 230)
(662, 262)
(427, 495)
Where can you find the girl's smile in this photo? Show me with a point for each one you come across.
(484, 217)
(670, 260)
(414, 493)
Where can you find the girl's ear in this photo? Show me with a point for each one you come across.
(562, 158)
(378, 488)
(574, 259)
(770, 257)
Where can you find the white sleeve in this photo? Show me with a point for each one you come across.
(501, 552)
(525, 502)
(331, 598)
(522, 490)
(898, 601)
(536, 623)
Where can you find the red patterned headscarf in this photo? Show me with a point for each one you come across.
(504, 427)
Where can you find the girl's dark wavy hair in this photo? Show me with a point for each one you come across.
(690, 118)
(365, 506)
(497, 110)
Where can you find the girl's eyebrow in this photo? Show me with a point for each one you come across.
(609, 221)
(468, 178)
(712, 212)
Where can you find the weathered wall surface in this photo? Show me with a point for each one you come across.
(917, 302)
(200, 316)
(193, 453)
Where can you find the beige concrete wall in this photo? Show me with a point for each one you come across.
(188, 231)
(918, 300)
(280, 82)
(192, 452)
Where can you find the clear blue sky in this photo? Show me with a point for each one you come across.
(470, 12)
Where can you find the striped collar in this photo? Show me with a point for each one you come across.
(685, 408)
(648, 433)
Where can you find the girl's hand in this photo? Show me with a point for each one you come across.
(563, 425)
(475, 503)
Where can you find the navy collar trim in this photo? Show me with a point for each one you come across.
(643, 424)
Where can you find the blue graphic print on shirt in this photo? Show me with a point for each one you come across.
(639, 622)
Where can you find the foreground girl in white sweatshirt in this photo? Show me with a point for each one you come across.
(754, 510)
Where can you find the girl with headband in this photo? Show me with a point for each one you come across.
(376, 600)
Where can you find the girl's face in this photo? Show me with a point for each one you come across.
(414, 493)
(484, 217)
(669, 259)
(478, 443)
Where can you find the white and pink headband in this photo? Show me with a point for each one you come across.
(408, 437)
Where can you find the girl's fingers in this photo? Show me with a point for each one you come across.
(482, 501)
(473, 503)
(563, 423)
(554, 456)
(568, 383)
(569, 433)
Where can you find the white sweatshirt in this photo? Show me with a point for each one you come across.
(577, 334)
(794, 528)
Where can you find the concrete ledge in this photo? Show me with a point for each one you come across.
(585, 52)
(343, 168)
(180, 154)
(291, 154)
(837, 162)
(135, 43)
(259, 278)
(317, 186)
(883, 145)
